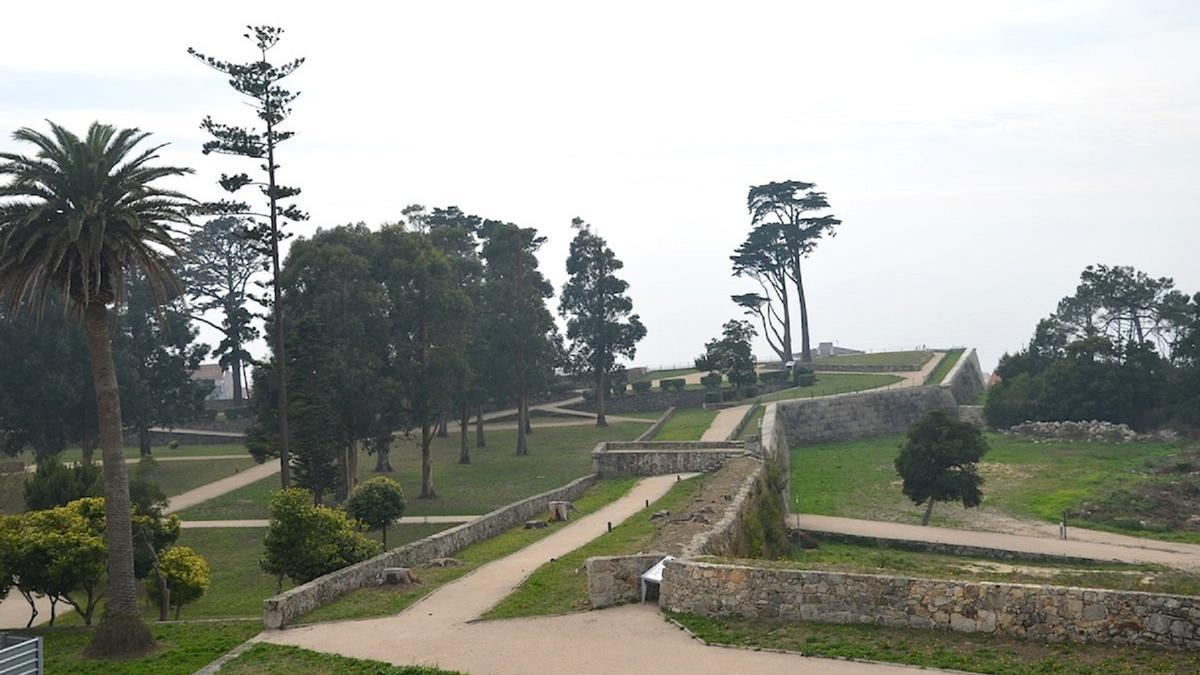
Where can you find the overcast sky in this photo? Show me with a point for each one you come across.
(978, 154)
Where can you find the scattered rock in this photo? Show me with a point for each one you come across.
(660, 514)
(1092, 431)
(398, 576)
(535, 524)
(444, 562)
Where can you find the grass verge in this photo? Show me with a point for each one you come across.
(386, 600)
(944, 366)
(269, 659)
(936, 649)
(686, 424)
(869, 558)
(559, 586)
(829, 384)
(183, 648)
(915, 359)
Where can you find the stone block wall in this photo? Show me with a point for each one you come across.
(973, 414)
(651, 458)
(616, 580)
(860, 415)
(282, 609)
(965, 380)
(1051, 613)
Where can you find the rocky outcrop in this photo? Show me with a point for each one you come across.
(1094, 431)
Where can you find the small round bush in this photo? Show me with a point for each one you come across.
(378, 502)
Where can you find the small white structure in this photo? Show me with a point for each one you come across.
(654, 575)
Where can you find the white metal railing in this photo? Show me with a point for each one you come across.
(21, 655)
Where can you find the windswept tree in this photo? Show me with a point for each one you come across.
(601, 325)
(790, 210)
(76, 218)
(219, 262)
(519, 326)
(259, 81)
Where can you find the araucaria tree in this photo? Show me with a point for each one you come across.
(259, 81)
(518, 324)
(75, 219)
(787, 226)
(939, 462)
(600, 322)
(219, 262)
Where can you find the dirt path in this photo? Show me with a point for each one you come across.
(440, 629)
(1116, 548)
(217, 488)
(725, 423)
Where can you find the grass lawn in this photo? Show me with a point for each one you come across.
(132, 452)
(642, 415)
(495, 477)
(386, 601)
(939, 649)
(943, 367)
(178, 477)
(869, 558)
(686, 424)
(754, 425)
(664, 374)
(910, 358)
(268, 659)
(183, 648)
(834, 383)
(560, 586)
(1024, 479)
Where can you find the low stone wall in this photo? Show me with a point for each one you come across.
(775, 450)
(658, 424)
(965, 380)
(651, 458)
(949, 549)
(973, 414)
(726, 536)
(282, 609)
(860, 415)
(616, 580)
(1050, 613)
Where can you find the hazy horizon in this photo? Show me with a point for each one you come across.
(978, 156)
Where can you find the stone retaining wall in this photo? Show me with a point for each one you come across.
(725, 536)
(860, 415)
(775, 450)
(1050, 613)
(616, 580)
(651, 458)
(973, 414)
(282, 609)
(965, 379)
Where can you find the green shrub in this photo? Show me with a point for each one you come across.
(641, 386)
(712, 380)
(730, 394)
(677, 384)
(806, 379)
(750, 392)
(239, 413)
(304, 541)
(712, 397)
(187, 577)
(377, 502)
(56, 484)
(618, 389)
(589, 395)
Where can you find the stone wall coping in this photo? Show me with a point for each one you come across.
(958, 366)
(658, 424)
(668, 446)
(692, 562)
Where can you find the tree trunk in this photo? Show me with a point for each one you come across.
(427, 491)
(385, 527)
(343, 484)
(805, 347)
(464, 422)
(522, 421)
(383, 460)
(164, 598)
(928, 512)
(121, 631)
(178, 608)
(144, 442)
(601, 421)
(352, 465)
(480, 439)
(235, 364)
(443, 429)
(285, 457)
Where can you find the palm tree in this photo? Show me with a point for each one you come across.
(75, 219)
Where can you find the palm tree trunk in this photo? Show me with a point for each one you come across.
(121, 631)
